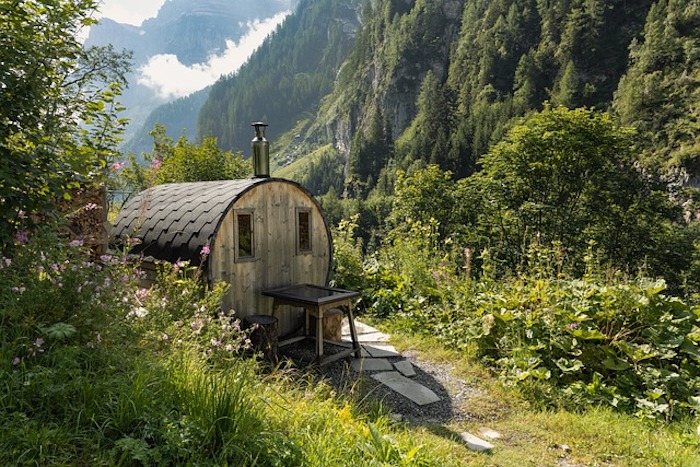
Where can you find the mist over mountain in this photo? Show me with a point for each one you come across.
(186, 47)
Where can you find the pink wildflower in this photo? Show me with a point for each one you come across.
(142, 293)
(156, 164)
(39, 342)
(21, 214)
(75, 243)
(21, 237)
(117, 166)
(205, 251)
(15, 361)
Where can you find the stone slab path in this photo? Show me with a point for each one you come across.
(406, 387)
(395, 375)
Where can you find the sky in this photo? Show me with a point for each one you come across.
(130, 11)
(171, 79)
(165, 74)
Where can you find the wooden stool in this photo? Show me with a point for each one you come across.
(332, 325)
(263, 335)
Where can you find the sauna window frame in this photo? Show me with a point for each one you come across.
(304, 243)
(237, 214)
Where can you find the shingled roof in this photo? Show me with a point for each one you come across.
(174, 221)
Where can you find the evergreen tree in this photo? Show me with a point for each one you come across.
(427, 138)
(369, 153)
(659, 93)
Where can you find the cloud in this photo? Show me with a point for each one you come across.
(171, 79)
(129, 11)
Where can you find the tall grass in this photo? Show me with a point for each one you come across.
(95, 370)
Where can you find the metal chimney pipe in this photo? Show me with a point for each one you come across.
(261, 151)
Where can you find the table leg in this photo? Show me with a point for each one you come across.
(319, 335)
(353, 332)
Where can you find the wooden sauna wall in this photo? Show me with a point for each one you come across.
(277, 263)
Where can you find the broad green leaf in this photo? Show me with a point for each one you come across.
(540, 373)
(588, 335)
(504, 316)
(636, 352)
(694, 402)
(569, 366)
(691, 348)
(616, 364)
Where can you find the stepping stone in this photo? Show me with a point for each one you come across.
(348, 345)
(361, 328)
(488, 433)
(370, 364)
(475, 443)
(407, 388)
(405, 367)
(373, 337)
(381, 350)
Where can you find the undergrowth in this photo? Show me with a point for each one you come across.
(601, 338)
(97, 370)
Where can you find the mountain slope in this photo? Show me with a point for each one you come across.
(485, 62)
(441, 82)
(286, 77)
(190, 30)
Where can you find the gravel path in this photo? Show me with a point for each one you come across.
(454, 392)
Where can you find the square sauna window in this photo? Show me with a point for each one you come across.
(245, 245)
(303, 230)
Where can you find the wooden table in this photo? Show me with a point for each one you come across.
(316, 300)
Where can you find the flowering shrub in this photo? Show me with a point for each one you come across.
(52, 294)
(181, 311)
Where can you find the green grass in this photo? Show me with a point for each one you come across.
(88, 385)
(531, 436)
(130, 408)
(300, 167)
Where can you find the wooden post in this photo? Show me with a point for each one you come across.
(262, 332)
(332, 325)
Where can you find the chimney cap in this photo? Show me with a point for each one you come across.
(257, 124)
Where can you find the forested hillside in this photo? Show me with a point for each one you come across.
(448, 96)
(189, 32)
(440, 82)
(286, 78)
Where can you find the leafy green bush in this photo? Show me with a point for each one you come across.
(402, 275)
(602, 339)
